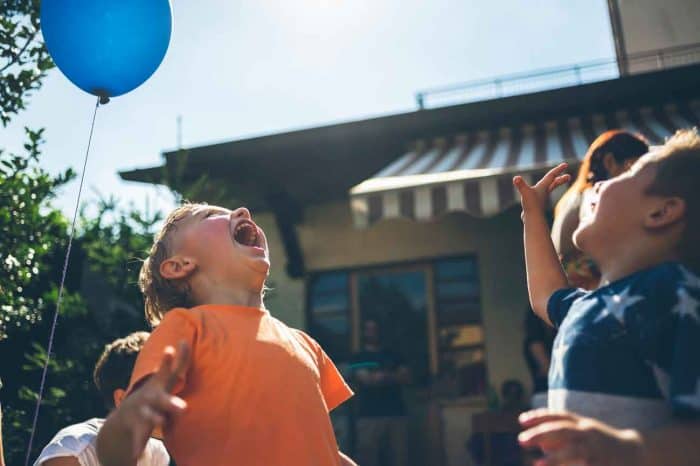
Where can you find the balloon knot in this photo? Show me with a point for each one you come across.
(102, 94)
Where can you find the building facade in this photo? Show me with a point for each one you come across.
(412, 220)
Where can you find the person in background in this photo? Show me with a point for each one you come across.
(379, 375)
(513, 397)
(537, 349)
(503, 443)
(611, 154)
(75, 445)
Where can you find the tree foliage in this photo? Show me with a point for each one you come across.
(30, 232)
(24, 59)
(101, 301)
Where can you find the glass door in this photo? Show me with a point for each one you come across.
(398, 301)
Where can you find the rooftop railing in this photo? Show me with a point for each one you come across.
(556, 77)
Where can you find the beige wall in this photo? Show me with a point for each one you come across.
(656, 24)
(285, 299)
(330, 241)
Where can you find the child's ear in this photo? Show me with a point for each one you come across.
(665, 212)
(177, 267)
(118, 396)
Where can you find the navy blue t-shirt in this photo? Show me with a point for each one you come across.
(383, 400)
(628, 353)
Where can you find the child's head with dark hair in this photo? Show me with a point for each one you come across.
(609, 155)
(651, 211)
(113, 368)
(512, 395)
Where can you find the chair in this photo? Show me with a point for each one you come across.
(498, 431)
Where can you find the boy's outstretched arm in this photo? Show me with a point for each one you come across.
(544, 272)
(126, 431)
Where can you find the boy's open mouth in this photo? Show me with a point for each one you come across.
(246, 234)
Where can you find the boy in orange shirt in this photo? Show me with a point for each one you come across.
(254, 391)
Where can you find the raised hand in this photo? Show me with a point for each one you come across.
(124, 435)
(567, 439)
(534, 198)
(544, 272)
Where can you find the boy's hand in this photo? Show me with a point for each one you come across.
(569, 439)
(128, 428)
(534, 198)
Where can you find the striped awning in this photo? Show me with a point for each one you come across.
(472, 172)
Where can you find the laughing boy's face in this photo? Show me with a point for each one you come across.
(226, 244)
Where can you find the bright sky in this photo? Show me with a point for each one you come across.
(237, 68)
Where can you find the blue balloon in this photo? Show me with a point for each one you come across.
(107, 47)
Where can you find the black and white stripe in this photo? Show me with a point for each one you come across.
(472, 171)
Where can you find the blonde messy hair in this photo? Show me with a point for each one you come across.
(162, 294)
(677, 170)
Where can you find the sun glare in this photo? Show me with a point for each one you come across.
(320, 12)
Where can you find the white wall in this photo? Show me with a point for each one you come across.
(285, 299)
(658, 24)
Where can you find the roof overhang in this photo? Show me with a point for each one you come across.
(320, 164)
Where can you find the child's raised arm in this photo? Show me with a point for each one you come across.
(126, 431)
(544, 272)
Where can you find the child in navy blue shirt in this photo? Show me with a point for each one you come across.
(624, 381)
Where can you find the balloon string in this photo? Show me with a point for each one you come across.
(60, 292)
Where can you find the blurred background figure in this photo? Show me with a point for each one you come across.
(379, 375)
(610, 154)
(513, 397)
(537, 349)
(75, 445)
(495, 438)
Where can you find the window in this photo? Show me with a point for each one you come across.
(329, 310)
(401, 299)
(396, 299)
(461, 345)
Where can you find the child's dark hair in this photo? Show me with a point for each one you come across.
(677, 170)
(622, 145)
(113, 368)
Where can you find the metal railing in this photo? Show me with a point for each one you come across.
(555, 77)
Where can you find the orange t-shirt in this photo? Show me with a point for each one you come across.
(258, 392)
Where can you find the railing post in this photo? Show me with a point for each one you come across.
(577, 72)
(518, 82)
(659, 59)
